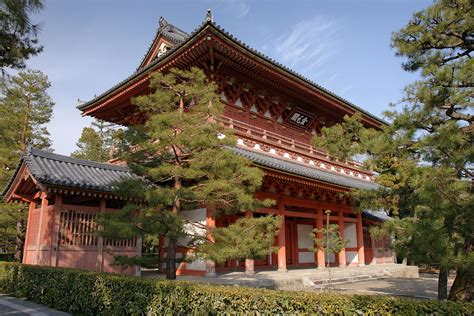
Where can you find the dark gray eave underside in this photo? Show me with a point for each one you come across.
(304, 171)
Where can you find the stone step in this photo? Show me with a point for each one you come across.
(351, 279)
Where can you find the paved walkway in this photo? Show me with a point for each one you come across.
(422, 288)
(296, 277)
(17, 307)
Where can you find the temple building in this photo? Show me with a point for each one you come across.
(274, 113)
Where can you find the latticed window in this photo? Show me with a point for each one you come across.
(77, 228)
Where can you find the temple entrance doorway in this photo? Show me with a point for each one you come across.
(299, 243)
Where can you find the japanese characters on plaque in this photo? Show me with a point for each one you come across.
(300, 118)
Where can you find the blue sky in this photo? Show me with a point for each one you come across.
(90, 45)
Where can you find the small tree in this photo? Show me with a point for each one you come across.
(184, 160)
(331, 241)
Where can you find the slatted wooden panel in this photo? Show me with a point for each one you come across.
(33, 227)
(120, 242)
(77, 228)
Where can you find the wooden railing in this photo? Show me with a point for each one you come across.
(302, 149)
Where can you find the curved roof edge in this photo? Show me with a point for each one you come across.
(210, 24)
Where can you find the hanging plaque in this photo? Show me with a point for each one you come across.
(300, 118)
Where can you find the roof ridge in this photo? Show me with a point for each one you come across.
(63, 158)
(249, 49)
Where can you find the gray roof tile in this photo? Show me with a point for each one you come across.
(59, 170)
(376, 215)
(304, 171)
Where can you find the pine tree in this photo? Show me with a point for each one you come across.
(17, 34)
(330, 243)
(25, 108)
(185, 161)
(98, 142)
(424, 159)
(247, 238)
(91, 146)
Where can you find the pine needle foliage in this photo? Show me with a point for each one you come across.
(423, 160)
(247, 238)
(331, 241)
(18, 36)
(98, 142)
(184, 161)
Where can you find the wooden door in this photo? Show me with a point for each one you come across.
(289, 242)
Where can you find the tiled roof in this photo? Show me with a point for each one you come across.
(376, 215)
(58, 170)
(168, 31)
(303, 171)
(188, 38)
(172, 32)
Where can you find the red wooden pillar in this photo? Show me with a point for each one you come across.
(319, 226)
(360, 240)
(100, 241)
(342, 254)
(41, 228)
(27, 239)
(210, 224)
(58, 201)
(282, 239)
(249, 263)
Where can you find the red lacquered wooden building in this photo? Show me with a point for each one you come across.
(274, 112)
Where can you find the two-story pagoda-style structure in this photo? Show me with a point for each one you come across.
(274, 112)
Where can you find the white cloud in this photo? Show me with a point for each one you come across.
(307, 46)
(239, 8)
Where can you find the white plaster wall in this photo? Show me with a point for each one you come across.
(352, 257)
(306, 257)
(331, 256)
(304, 240)
(350, 233)
(197, 216)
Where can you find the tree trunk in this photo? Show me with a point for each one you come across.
(19, 241)
(171, 259)
(172, 242)
(443, 283)
(463, 286)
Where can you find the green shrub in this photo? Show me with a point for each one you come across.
(91, 293)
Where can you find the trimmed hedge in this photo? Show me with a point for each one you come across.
(91, 293)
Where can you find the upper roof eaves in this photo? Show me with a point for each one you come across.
(266, 58)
